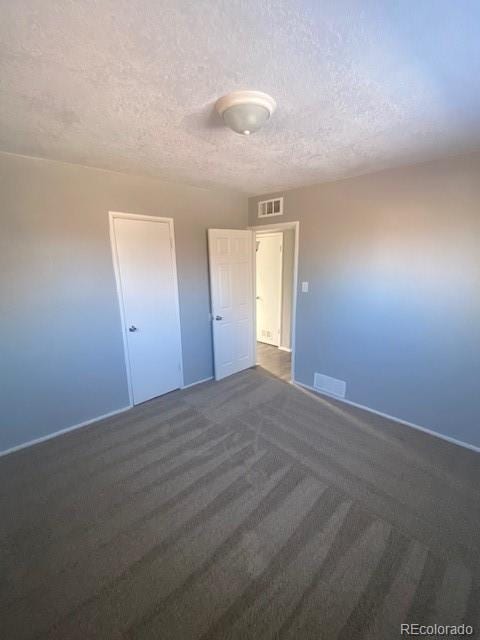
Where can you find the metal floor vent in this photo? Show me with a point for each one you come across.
(330, 385)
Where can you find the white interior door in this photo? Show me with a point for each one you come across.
(269, 287)
(148, 287)
(231, 284)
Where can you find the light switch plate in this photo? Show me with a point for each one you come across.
(304, 287)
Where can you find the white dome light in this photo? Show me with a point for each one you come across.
(245, 111)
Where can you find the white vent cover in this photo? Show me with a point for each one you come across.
(330, 385)
(269, 208)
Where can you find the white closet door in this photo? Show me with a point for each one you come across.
(147, 273)
(231, 283)
(269, 287)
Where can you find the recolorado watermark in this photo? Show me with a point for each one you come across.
(437, 630)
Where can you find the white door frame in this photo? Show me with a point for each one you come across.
(267, 234)
(112, 215)
(283, 226)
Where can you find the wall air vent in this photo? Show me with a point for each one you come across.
(269, 208)
(330, 385)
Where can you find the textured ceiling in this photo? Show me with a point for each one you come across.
(130, 85)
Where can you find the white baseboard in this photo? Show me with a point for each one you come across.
(49, 436)
(315, 392)
(194, 384)
(285, 349)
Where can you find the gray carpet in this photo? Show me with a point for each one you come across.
(240, 509)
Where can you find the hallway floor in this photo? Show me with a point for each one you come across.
(274, 360)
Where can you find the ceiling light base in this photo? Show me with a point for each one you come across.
(245, 111)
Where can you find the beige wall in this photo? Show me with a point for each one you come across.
(393, 308)
(61, 349)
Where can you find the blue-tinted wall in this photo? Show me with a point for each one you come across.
(393, 308)
(61, 350)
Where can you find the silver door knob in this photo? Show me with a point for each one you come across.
(218, 317)
(132, 328)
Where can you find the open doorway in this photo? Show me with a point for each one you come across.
(275, 268)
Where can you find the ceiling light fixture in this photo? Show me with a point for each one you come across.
(245, 111)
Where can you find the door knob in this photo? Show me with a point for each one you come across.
(132, 328)
(218, 317)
